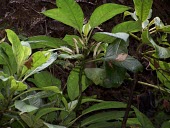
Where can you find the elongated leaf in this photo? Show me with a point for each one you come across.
(73, 83)
(142, 8)
(23, 107)
(145, 122)
(68, 12)
(103, 116)
(105, 12)
(119, 35)
(104, 124)
(70, 40)
(7, 58)
(21, 50)
(129, 26)
(97, 75)
(45, 41)
(104, 105)
(54, 126)
(41, 94)
(161, 52)
(45, 111)
(45, 79)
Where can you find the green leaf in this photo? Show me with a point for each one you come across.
(166, 124)
(145, 122)
(104, 124)
(7, 58)
(68, 12)
(119, 35)
(30, 121)
(18, 85)
(100, 37)
(45, 79)
(129, 26)
(45, 111)
(73, 83)
(49, 88)
(39, 61)
(165, 29)
(103, 116)
(37, 95)
(142, 8)
(104, 105)
(54, 126)
(114, 76)
(45, 41)
(23, 107)
(161, 68)
(97, 75)
(161, 52)
(105, 12)
(67, 56)
(21, 50)
(70, 40)
(117, 54)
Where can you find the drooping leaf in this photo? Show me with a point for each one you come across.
(105, 12)
(119, 35)
(161, 52)
(99, 37)
(104, 105)
(103, 116)
(45, 41)
(68, 12)
(97, 75)
(145, 122)
(128, 26)
(23, 107)
(142, 8)
(117, 48)
(21, 50)
(73, 83)
(45, 79)
(114, 76)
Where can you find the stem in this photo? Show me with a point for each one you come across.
(153, 86)
(80, 85)
(129, 102)
(134, 36)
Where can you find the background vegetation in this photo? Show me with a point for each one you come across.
(84, 64)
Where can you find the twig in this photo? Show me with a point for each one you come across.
(129, 102)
